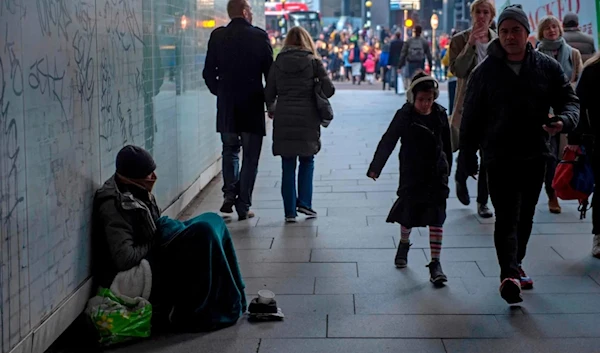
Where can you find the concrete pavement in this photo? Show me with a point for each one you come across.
(336, 283)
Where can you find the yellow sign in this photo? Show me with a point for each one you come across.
(434, 21)
(206, 24)
(408, 22)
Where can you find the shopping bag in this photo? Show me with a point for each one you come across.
(119, 319)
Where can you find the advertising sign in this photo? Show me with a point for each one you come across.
(587, 10)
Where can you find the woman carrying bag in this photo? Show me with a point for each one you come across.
(552, 43)
(297, 95)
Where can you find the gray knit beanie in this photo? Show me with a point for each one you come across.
(515, 12)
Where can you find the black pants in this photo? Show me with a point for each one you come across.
(482, 184)
(514, 189)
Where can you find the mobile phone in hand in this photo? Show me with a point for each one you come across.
(551, 120)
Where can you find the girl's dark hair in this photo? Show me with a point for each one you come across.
(427, 86)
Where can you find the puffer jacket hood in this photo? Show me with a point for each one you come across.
(293, 60)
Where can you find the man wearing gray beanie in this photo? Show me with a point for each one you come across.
(505, 114)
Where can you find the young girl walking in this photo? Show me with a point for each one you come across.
(425, 162)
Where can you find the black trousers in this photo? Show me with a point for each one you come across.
(482, 183)
(514, 189)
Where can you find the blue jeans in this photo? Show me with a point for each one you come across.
(238, 185)
(451, 93)
(303, 198)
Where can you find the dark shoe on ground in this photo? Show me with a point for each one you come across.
(462, 193)
(526, 281)
(401, 259)
(483, 211)
(553, 205)
(290, 219)
(436, 274)
(510, 290)
(247, 215)
(307, 211)
(227, 206)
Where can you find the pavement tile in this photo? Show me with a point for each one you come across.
(302, 221)
(451, 269)
(293, 326)
(453, 241)
(542, 285)
(414, 326)
(279, 255)
(280, 286)
(426, 299)
(337, 242)
(351, 345)
(318, 304)
(552, 325)
(581, 267)
(188, 343)
(284, 270)
(503, 345)
(245, 243)
(353, 255)
(274, 232)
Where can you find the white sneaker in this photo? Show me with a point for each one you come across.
(290, 219)
(596, 246)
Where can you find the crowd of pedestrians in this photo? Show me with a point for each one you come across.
(513, 104)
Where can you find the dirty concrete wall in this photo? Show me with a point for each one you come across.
(78, 80)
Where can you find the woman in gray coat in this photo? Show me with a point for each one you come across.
(291, 100)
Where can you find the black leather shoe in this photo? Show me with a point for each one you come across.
(462, 193)
(227, 206)
(483, 211)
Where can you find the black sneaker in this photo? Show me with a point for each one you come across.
(247, 215)
(510, 290)
(436, 274)
(307, 211)
(462, 193)
(484, 211)
(401, 259)
(227, 206)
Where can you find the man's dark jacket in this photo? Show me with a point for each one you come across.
(395, 51)
(504, 112)
(238, 57)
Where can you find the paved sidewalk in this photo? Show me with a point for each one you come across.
(336, 283)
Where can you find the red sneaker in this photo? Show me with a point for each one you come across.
(526, 281)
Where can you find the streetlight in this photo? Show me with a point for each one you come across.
(183, 22)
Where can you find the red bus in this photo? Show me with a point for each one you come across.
(282, 16)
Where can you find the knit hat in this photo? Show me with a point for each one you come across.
(135, 162)
(514, 12)
(571, 20)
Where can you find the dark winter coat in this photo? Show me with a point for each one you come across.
(504, 112)
(290, 95)
(124, 229)
(580, 41)
(588, 129)
(425, 163)
(238, 56)
(395, 51)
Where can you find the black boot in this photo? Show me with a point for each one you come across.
(437, 275)
(401, 259)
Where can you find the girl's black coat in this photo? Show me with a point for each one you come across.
(425, 162)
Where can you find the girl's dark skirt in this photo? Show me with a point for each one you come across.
(418, 214)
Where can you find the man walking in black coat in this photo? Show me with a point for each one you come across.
(394, 61)
(238, 57)
(505, 115)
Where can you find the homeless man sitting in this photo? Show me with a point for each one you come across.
(196, 282)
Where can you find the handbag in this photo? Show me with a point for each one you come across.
(323, 105)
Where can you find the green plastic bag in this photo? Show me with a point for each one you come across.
(118, 319)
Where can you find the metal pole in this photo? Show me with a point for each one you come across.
(404, 37)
